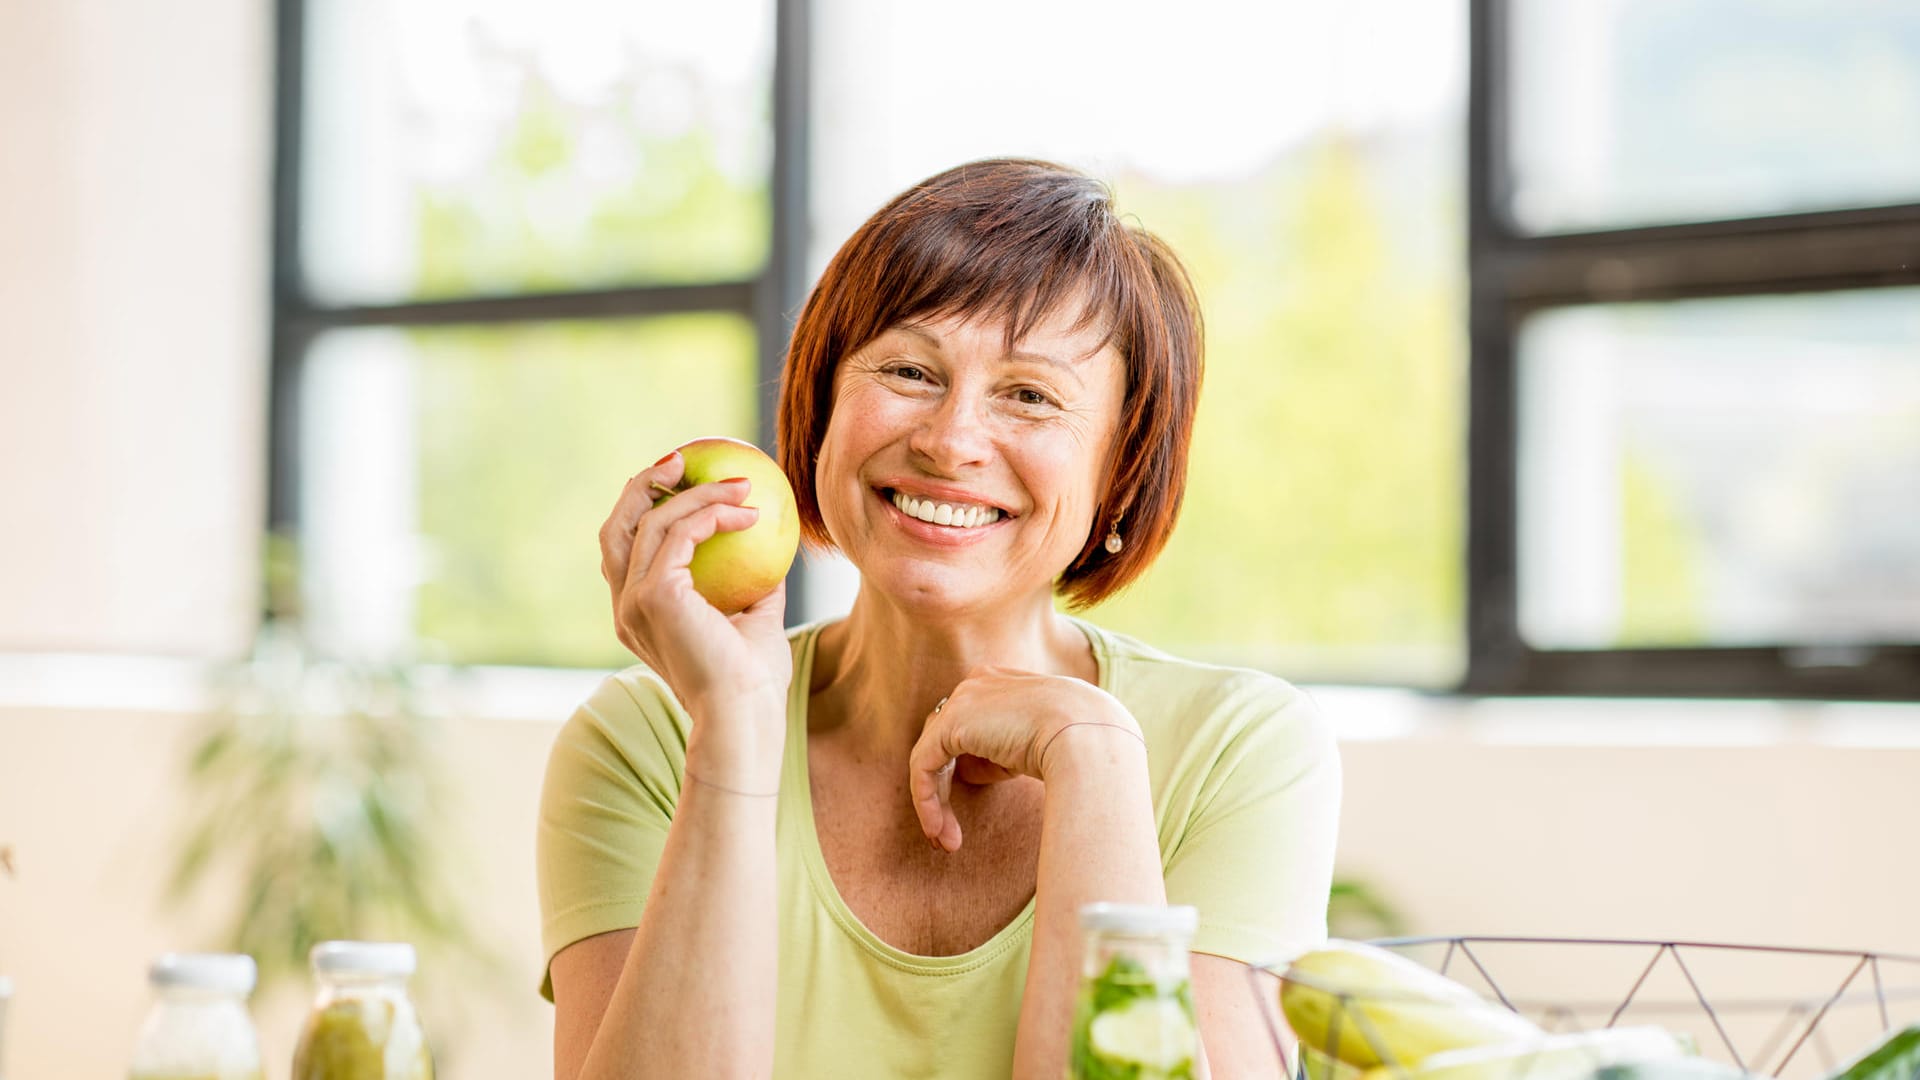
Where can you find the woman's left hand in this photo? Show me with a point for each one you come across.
(999, 723)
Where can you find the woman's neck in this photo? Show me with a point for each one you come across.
(878, 673)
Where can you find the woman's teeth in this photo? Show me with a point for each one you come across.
(962, 516)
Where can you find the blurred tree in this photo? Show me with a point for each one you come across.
(526, 436)
(1661, 586)
(516, 226)
(1322, 534)
(526, 433)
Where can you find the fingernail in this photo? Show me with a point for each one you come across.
(666, 459)
(738, 480)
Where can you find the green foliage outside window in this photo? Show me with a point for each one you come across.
(526, 437)
(1323, 532)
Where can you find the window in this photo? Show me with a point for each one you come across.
(1307, 168)
(1695, 246)
(520, 252)
(513, 235)
(1661, 436)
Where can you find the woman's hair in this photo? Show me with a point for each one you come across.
(1012, 241)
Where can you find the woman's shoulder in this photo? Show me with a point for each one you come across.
(1131, 666)
(1185, 701)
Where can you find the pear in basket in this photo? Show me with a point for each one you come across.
(1367, 1006)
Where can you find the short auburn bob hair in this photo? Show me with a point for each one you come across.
(1012, 240)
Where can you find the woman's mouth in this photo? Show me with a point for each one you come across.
(954, 515)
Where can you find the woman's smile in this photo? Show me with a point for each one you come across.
(941, 522)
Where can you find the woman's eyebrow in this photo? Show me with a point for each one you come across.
(1021, 355)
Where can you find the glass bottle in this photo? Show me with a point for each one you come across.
(1134, 1017)
(363, 1025)
(198, 1027)
(6, 994)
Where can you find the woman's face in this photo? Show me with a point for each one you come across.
(1005, 449)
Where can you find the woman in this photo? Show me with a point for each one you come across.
(858, 848)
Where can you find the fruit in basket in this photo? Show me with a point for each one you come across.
(1572, 1055)
(1319, 1066)
(735, 569)
(1367, 1006)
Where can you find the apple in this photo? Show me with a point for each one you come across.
(734, 569)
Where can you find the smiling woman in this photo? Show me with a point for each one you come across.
(1019, 247)
(858, 848)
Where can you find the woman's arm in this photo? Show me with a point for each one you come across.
(1229, 996)
(1097, 842)
(691, 991)
(694, 990)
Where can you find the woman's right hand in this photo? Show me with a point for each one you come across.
(710, 661)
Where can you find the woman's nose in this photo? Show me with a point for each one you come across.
(953, 434)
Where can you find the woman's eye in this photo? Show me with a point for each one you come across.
(1030, 396)
(908, 371)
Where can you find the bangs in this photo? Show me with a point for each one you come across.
(983, 249)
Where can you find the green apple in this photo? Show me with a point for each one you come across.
(734, 569)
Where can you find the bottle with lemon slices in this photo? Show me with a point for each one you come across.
(1134, 1019)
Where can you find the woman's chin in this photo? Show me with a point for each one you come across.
(940, 591)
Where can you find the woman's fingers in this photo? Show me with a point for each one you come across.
(979, 771)
(674, 549)
(636, 498)
(769, 611)
(652, 531)
(930, 781)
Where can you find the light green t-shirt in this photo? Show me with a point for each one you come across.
(1246, 796)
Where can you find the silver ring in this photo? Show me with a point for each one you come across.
(938, 705)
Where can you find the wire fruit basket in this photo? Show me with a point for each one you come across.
(1788, 1013)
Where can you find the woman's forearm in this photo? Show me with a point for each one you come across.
(1097, 842)
(696, 996)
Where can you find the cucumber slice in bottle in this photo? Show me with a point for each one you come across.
(1155, 1033)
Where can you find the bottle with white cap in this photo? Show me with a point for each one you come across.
(363, 1025)
(1135, 1014)
(6, 994)
(199, 1028)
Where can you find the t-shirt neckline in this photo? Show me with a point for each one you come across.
(796, 794)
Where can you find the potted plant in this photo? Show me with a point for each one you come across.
(315, 783)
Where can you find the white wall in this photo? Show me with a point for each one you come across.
(133, 284)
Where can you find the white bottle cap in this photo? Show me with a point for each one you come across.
(225, 973)
(1142, 919)
(385, 958)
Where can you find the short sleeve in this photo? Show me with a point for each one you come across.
(613, 779)
(1256, 857)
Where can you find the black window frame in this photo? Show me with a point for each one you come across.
(1512, 275)
(770, 299)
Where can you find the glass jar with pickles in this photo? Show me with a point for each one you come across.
(198, 1027)
(1134, 1019)
(363, 1025)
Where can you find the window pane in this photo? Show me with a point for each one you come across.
(457, 147)
(1722, 472)
(1322, 533)
(1630, 112)
(455, 479)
